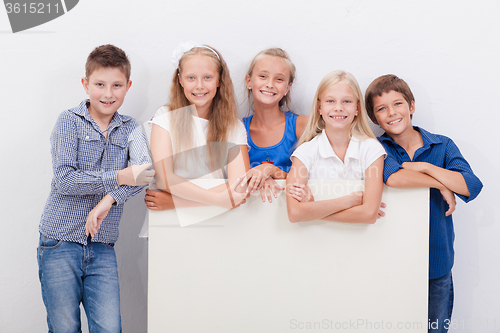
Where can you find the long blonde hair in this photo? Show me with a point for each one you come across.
(360, 128)
(284, 103)
(223, 116)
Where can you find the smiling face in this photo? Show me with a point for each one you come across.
(338, 105)
(269, 81)
(393, 112)
(200, 79)
(106, 87)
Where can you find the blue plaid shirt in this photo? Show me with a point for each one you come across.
(442, 152)
(85, 165)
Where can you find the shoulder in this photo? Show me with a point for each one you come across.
(300, 125)
(238, 133)
(309, 148)
(161, 118)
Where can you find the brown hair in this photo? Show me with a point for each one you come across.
(385, 84)
(106, 56)
(274, 52)
(223, 117)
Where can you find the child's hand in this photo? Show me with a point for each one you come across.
(136, 175)
(270, 186)
(96, 215)
(256, 177)
(236, 198)
(159, 200)
(301, 192)
(449, 197)
(381, 213)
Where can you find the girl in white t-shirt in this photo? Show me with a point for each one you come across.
(198, 134)
(337, 144)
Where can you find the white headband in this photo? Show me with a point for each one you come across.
(183, 48)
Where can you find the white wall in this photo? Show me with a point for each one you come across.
(447, 51)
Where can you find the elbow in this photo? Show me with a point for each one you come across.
(293, 214)
(371, 216)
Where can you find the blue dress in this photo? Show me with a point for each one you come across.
(279, 153)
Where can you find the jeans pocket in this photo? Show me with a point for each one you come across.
(47, 243)
(110, 246)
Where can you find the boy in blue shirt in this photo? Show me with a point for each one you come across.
(91, 147)
(417, 158)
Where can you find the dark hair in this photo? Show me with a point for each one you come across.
(107, 56)
(384, 84)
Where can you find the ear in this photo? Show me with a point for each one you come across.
(129, 84)
(247, 80)
(180, 80)
(412, 107)
(319, 107)
(288, 89)
(85, 84)
(358, 107)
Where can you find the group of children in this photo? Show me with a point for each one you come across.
(198, 135)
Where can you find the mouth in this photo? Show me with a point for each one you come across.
(338, 117)
(394, 122)
(267, 93)
(107, 103)
(200, 95)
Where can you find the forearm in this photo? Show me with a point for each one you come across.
(315, 210)
(278, 173)
(70, 181)
(453, 180)
(357, 214)
(412, 179)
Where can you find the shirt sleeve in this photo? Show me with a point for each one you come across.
(373, 150)
(391, 163)
(456, 162)
(69, 179)
(239, 135)
(305, 154)
(138, 154)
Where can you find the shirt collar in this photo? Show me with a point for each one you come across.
(326, 150)
(427, 138)
(83, 111)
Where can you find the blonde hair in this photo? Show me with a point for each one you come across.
(360, 128)
(284, 103)
(223, 116)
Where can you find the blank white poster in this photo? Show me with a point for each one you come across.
(251, 270)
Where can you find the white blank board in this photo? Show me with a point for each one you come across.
(251, 270)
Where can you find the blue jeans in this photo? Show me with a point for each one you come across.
(440, 303)
(70, 274)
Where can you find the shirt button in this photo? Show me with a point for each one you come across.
(116, 187)
(87, 137)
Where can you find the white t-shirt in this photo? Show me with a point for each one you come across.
(195, 168)
(322, 162)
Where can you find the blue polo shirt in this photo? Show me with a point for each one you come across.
(440, 151)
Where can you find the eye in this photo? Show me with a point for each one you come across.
(117, 85)
(329, 101)
(99, 84)
(381, 109)
(347, 101)
(208, 77)
(262, 76)
(280, 79)
(398, 103)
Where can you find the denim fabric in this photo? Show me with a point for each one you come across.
(72, 273)
(440, 303)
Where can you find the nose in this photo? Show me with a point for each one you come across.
(338, 106)
(199, 84)
(391, 111)
(269, 83)
(108, 91)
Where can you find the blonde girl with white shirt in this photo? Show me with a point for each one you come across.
(198, 134)
(337, 144)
